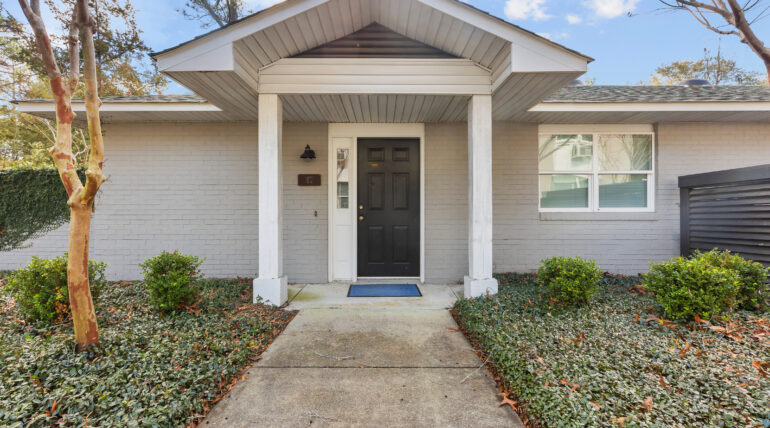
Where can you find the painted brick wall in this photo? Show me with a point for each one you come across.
(193, 188)
(166, 191)
(625, 245)
(305, 234)
(446, 202)
(628, 244)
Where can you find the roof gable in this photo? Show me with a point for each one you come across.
(375, 41)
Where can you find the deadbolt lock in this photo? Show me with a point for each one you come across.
(361, 218)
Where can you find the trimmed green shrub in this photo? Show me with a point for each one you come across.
(685, 287)
(570, 280)
(41, 292)
(171, 280)
(755, 290)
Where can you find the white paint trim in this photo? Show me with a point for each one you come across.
(595, 128)
(651, 107)
(206, 43)
(287, 9)
(369, 130)
(500, 28)
(270, 187)
(593, 176)
(480, 194)
(45, 107)
(375, 76)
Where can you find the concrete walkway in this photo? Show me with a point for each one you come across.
(366, 362)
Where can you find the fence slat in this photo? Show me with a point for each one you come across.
(728, 210)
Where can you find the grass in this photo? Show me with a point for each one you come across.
(616, 362)
(150, 370)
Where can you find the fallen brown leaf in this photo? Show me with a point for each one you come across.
(648, 404)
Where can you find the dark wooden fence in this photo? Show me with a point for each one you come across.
(729, 210)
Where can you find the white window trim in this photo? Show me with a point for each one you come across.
(593, 175)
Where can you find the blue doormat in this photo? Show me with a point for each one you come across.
(384, 290)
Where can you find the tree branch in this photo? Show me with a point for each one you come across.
(748, 36)
(213, 13)
(94, 175)
(61, 152)
(73, 46)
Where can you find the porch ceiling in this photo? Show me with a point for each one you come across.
(352, 108)
(227, 67)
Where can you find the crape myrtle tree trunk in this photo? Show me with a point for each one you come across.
(737, 18)
(80, 196)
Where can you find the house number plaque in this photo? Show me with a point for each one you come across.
(309, 179)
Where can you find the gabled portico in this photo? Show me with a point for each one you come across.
(364, 61)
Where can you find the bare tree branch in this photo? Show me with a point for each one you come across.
(734, 15)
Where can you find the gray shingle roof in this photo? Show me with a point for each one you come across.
(659, 94)
(575, 94)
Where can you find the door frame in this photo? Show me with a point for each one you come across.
(351, 132)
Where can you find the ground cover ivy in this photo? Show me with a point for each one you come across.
(150, 370)
(619, 363)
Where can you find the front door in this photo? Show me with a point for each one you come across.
(388, 207)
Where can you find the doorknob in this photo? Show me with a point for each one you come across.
(360, 218)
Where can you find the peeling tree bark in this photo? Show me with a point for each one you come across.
(80, 197)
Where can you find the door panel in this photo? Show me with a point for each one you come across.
(389, 207)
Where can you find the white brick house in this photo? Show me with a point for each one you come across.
(448, 145)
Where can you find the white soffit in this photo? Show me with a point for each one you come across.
(225, 66)
(134, 112)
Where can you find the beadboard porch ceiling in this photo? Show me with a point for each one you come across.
(381, 60)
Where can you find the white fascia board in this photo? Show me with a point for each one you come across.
(347, 63)
(122, 107)
(374, 76)
(218, 59)
(529, 57)
(497, 27)
(264, 19)
(651, 107)
(547, 128)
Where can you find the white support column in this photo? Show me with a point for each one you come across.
(479, 282)
(271, 284)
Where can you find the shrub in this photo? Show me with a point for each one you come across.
(171, 280)
(684, 287)
(570, 279)
(754, 290)
(41, 292)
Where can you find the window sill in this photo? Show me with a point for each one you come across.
(599, 216)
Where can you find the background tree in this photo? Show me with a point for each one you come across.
(81, 195)
(214, 12)
(123, 68)
(735, 18)
(714, 68)
(122, 58)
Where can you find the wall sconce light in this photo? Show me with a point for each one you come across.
(309, 153)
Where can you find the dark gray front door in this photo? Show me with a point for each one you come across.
(388, 207)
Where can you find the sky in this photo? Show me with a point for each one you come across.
(627, 49)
